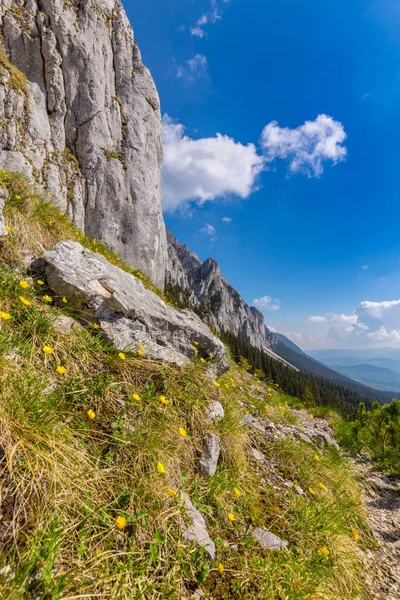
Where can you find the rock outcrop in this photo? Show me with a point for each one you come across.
(129, 314)
(80, 113)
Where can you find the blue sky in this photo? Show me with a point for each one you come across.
(308, 211)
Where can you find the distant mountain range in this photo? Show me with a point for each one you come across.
(375, 367)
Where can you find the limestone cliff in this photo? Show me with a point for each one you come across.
(80, 112)
(203, 285)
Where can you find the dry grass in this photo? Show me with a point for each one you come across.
(65, 478)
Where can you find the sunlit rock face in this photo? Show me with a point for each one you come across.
(80, 113)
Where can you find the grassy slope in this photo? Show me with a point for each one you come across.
(65, 478)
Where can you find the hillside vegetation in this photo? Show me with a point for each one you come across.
(97, 448)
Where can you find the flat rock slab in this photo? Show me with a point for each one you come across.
(197, 530)
(215, 412)
(128, 313)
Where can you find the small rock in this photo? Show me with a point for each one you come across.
(197, 531)
(215, 412)
(259, 456)
(3, 198)
(7, 573)
(198, 595)
(267, 540)
(253, 423)
(210, 456)
(13, 356)
(63, 324)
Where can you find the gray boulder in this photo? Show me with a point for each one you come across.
(84, 118)
(128, 313)
(210, 456)
(267, 540)
(3, 198)
(197, 530)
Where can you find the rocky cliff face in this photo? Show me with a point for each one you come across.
(203, 285)
(79, 111)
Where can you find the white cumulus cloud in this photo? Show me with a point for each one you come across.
(317, 319)
(206, 168)
(308, 146)
(227, 219)
(267, 303)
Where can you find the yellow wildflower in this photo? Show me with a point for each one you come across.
(139, 353)
(5, 316)
(49, 195)
(7, 227)
(311, 416)
(312, 491)
(323, 551)
(61, 370)
(122, 356)
(50, 222)
(161, 468)
(182, 432)
(164, 400)
(40, 282)
(171, 356)
(237, 492)
(136, 397)
(120, 522)
(47, 349)
(48, 298)
(356, 534)
(231, 517)
(316, 457)
(216, 384)
(24, 301)
(226, 385)
(95, 326)
(171, 492)
(196, 343)
(203, 360)
(17, 197)
(141, 347)
(221, 568)
(91, 414)
(24, 284)
(322, 486)
(64, 300)
(233, 384)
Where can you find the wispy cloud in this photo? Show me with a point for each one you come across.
(267, 303)
(364, 267)
(317, 319)
(208, 229)
(227, 219)
(194, 68)
(209, 17)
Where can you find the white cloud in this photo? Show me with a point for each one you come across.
(267, 303)
(212, 16)
(308, 146)
(196, 67)
(383, 335)
(197, 32)
(227, 219)
(206, 168)
(294, 335)
(364, 267)
(317, 319)
(380, 310)
(208, 229)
